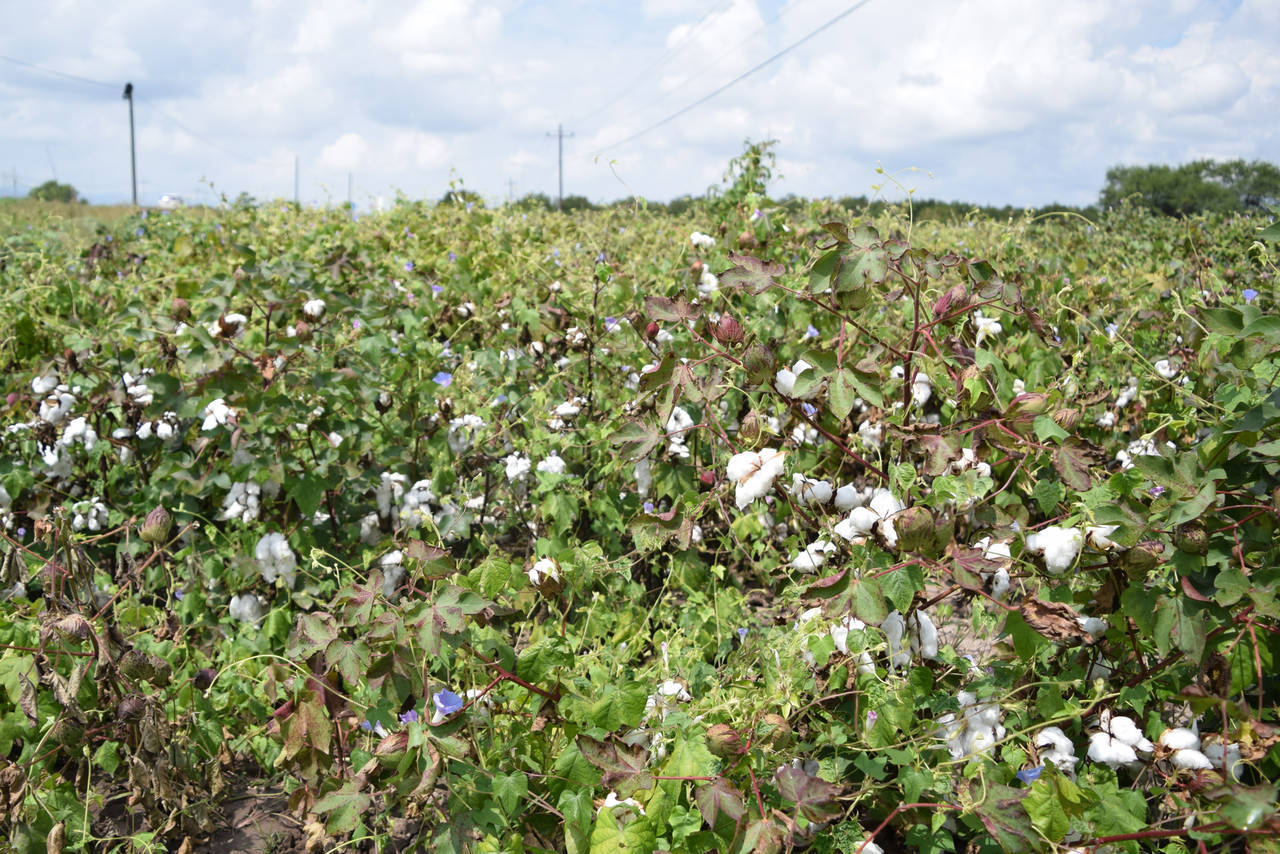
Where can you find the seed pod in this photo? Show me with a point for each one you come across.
(204, 678)
(1142, 558)
(180, 309)
(156, 527)
(774, 730)
(57, 838)
(724, 741)
(651, 330)
(160, 670)
(67, 733)
(1191, 539)
(131, 708)
(302, 330)
(749, 430)
(747, 240)
(136, 665)
(727, 330)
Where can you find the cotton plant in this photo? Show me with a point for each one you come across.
(276, 559)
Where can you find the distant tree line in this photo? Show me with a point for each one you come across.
(1196, 187)
(52, 191)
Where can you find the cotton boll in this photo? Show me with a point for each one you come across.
(1053, 738)
(1215, 753)
(544, 568)
(1180, 738)
(1188, 759)
(1093, 626)
(921, 389)
(924, 635)
(276, 559)
(894, 627)
(754, 473)
(849, 496)
(785, 381)
(247, 608)
(810, 491)
(884, 504)
(1059, 546)
(643, 477)
(814, 555)
(1107, 750)
(1000, 584)
(392, 566)
(871, 433)
(1098, 537)
(979, 740)
(1127, 731)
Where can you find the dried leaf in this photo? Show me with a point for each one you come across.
(1056, 621)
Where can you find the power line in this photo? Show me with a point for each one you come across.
(153, 105)
(644, 71)
(60, 73)
(743, 76)
(706, 66)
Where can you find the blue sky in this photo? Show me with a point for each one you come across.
(986, 101)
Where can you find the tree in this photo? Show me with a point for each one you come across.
(52, 191)
(1199, 186)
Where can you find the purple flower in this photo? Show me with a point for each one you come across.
(742, 635)
(178, 594)
(1249, 294)
(453, 256)
(871, 717)
(1029, 775)
(555, 253)
(446, 702)
(648, 507)
(22, 533)
(600, 258)
(811, 332)
(409, 717)
(140, 232)
(355, 324)
(435, 289)
(444, 378)
(809, 409)
(408, 266)
(1157, 491)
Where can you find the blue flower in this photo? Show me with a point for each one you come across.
(1030, 775)
(140, 232)
(409, 717)
(446, 702)
(648, 507)
(811, 332)
(178, 594)
(742, 635)
(453, 256)
(1249, 294)
(444, 378)
(555, 253)
(809, 409)
(435, 289)
(408, 266)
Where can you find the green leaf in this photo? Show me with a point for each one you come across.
(620, 831)
(1048, 430)
(1245, 809)
(1048, 494)
(1186, 511)
(841, 393)
(690, 758)
(510, 789)
(1175, 627)
(635, 440)
(901, 586)
(307, 491)
(344, 808)
(542, 660)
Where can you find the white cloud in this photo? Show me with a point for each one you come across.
(347, 152)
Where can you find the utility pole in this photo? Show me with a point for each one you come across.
(133, 155)
(560, 135)
(295, 179)
(511, 190)
(348, 188)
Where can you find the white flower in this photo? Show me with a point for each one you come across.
(986, 327)
(276, 559)
(517, 467)
(702, 241)
(785, 381)
(313, 308)
(611, 800)
(553, 464)
(754, 473)
(242, 502)
(810, 491)
(665, 698)
(248, 608)
(1058, 545)
(544, 568)
(217, 414)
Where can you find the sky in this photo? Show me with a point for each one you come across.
(1021, 102)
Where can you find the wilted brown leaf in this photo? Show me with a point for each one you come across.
(1056, 621)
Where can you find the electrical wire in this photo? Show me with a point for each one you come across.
(706, 66)
(716, 7)
(743, 76)
(153, 105)
(60, 73)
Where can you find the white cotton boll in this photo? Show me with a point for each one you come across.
(883, 503)
(785, 381)
(1188, 759)
(56, 406)
(708, 283)
(462, 432)
(1053, 738)
(1106, 420)
(1093, 625)
(390, 490)
(1059, 546)
(1107, 750)
(144, 430)
(568, 409)
(517, 467)
(756, 473)
(702, 241)
(553, 464)
(392, 566)
(924, 635)
(1180, 738)
(871, 433)
(370, 529)
(921, 389)
(276, 559)
(1000, 584)
(1098, 537)
(863, 519)
(45, 383)
(849, 496)
(814, 555)
(1128, 732)
(247, 608)
(810, 491)
(217, 414)
(1215, 754)
(314, 308)
(644, 479)
(543, 569)
(1165, 369)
